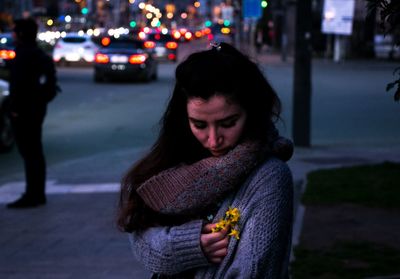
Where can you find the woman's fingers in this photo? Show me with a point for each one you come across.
(208, 239)
(221, 244)
(214, 244)
(208, 228)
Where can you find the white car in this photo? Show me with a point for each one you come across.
(74, 48)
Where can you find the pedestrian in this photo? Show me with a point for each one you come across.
(213, 197)
(32, 72)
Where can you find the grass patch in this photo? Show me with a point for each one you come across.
(346, 261)
(369, 185)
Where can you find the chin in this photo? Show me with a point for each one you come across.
(219, 152)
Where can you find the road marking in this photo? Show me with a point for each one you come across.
(13, 190)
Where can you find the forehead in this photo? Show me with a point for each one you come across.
(217, 107)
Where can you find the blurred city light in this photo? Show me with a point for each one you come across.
(264, 4)
(85, 11)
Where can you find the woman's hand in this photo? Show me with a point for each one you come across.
(214, 244)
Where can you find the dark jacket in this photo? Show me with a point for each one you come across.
(26, 74)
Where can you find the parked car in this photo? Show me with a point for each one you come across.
(164, 45)
(74, 48)
(6, 133)
(125, 58)
(7, 53)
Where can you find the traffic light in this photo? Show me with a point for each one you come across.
(84, 11)
(132, 24)
(227, 23)
(264, 4)
(208, 23)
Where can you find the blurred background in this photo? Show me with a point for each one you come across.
(330, 61)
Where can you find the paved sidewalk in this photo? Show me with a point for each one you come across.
(74, 235)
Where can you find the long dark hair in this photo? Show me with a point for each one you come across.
(222, 70)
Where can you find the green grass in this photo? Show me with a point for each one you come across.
(346, 261)
(369, 185)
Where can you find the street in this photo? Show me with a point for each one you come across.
(95, 131)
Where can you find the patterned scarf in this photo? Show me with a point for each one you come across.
(190, 189)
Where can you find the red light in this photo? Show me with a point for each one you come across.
(101, 58)
(171, 56)
(206, 31)
(171, 45)
(149, 44)
(105, 41)
(7, 54)
(137, 59)
(157, 36)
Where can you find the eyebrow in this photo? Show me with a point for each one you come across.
(231, 117)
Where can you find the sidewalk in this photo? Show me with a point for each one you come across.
(74, 235)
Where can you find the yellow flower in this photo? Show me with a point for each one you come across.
(234, 233)
(222, 224)
(233, 215)
(231, 219)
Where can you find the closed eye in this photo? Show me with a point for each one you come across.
(229, 123)
(198, 124)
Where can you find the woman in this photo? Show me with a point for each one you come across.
(217, 152)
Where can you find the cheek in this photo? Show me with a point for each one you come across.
(198, 134)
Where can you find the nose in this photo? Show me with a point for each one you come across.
(214, 138)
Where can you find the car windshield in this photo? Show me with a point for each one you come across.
(74, 40)
(160, 37)
(6, 41)
(125, 44)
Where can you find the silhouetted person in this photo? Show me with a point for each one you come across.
(29, 71)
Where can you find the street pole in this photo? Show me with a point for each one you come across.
(302, 75)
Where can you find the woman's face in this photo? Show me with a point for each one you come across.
(217, 123)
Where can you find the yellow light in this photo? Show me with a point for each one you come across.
(197, 4)
(170, 15)
(132, 1)
(149, 15)
(225, 30)
(50, 22)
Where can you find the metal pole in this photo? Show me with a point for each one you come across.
(302, 75)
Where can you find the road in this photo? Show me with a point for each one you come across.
(94, 132)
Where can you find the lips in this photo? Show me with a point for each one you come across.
(219, 152)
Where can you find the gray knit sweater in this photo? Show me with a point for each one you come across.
(265, 203)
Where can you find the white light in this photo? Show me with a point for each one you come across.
(329, 15)
(142, 5)
(96, 32)
(164, 31)
(63, 34)
(111, 32)
(68, 18)
(81, 33)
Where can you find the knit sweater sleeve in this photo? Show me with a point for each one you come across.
(169, 250)
(264, 247)
(191, 188)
